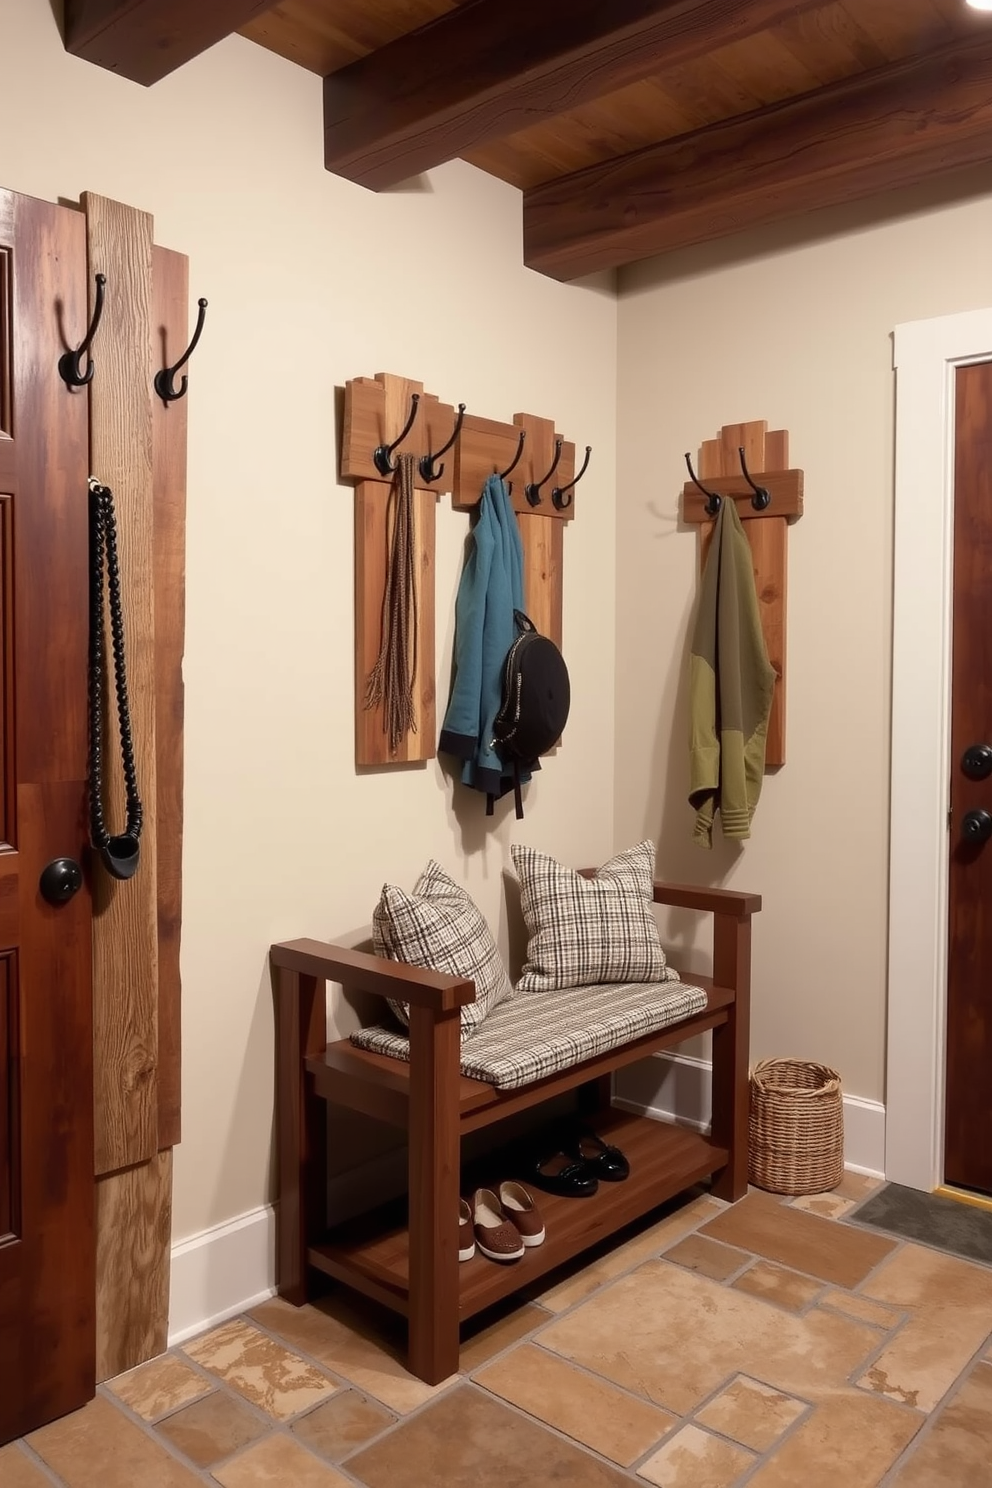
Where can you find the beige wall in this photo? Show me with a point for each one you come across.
(312, 280)
(792, 326)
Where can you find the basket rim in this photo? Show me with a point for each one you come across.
(831, 1080)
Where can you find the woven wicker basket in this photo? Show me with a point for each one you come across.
(796, 1127)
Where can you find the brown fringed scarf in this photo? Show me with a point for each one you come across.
(391, 680)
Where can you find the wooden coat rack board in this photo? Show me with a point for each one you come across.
(376, 409)
(766, 456)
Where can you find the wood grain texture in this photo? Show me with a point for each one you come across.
(125, 929)
(487, 447)
(373, 503)
(323, 39)
(134, 1236)
(375, 413)
(544, 544)
(731, 1052)
(492, 67)
(170, 302)
(892, 126)
(301, 1125)
(144, 40)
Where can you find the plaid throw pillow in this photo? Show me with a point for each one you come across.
(438, 926)
(588, 930)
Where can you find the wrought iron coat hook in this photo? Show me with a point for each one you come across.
(761, 497)
(712, 499)
(428, 473)
(533, 488)
(514, 462)
(70, 362)
(383, 456)
(165, 380)
(558, 498)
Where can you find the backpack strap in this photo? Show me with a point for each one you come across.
(518, 799)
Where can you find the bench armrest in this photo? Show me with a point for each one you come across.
(367, 973)
(731, 902)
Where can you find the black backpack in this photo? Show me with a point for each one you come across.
(535, 702)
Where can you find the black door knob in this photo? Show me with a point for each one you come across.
(976, 762)
(62, 878)
(976, 826)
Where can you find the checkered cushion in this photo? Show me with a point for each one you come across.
(528, 1038)
(439, 926)
(586, 930)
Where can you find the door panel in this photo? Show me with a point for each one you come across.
(46, 1084)
(968, 1100)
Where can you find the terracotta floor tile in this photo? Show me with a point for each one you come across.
(342, 1424)
(277, 1381)
(779, 1285)
(836, 1253)
(675, 1337)
(492, 1340)
(212, 1428)
(158, 1387)
(956, 1450)
(467, 1438)
(590, 1410)
(694, 1459)
(708, 1257)
(854, 1305)
(988, 1352)
(337, 1334)
(827, 1205)
(18, 1471)
(918, 1278)
(277, 1462)
(98, 1447)
(857, 1186)
(752, 1413)
(848, 1441)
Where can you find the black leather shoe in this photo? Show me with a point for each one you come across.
(560, 1173)
(600, 1160)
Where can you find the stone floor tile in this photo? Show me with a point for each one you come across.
(99, 1447)
(674, 1337)
(262, 1370)
(779, 1285)
(18, 1471)
(956, 1450)
(918, 1278)
(854, 1305)
(708, 1257)
(751, 1413)
(847, 1441)
(158, 1387)
(277, 1462)
(857, 1186)
(212, 1428)
(826, 1205)
(590, 1410)
(836, 1253)
(694, 1459)
(337, 1332)
(342, 1424)
(988, 1351)
(467, 1438)
(493, 1339)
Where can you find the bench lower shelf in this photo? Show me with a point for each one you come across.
(372, 1254)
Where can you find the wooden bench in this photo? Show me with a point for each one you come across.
(413, 1266)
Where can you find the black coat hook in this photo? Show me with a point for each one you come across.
(712, 499)
(71, 362)
(164, 381)
(761, 497)
(533, 489)
(558, 498)
(427, 462)
(383, 455)
(514, 462)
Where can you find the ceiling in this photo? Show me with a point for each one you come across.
(632, 126)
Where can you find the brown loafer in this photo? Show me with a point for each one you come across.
(519, 1207)
(495, 1235)
(466, 1240)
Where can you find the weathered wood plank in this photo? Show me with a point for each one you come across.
(133, 1248)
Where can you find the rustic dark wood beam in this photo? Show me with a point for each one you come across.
(491, 67)
(145, 39)
(894, 126)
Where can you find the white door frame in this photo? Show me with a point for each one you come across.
(926, 355)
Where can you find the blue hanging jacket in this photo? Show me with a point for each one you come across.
(491, 589)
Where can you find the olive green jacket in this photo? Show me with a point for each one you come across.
(731, 682)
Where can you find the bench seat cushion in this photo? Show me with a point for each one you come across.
(535, 1035)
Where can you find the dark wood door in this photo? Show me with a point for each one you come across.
(968, 1102)
(47, 1267)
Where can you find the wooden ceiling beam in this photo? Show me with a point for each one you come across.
(145, 39)
(894, 126)
(492, 67)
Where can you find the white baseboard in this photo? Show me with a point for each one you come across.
(222, 1271)
(677, 1087)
